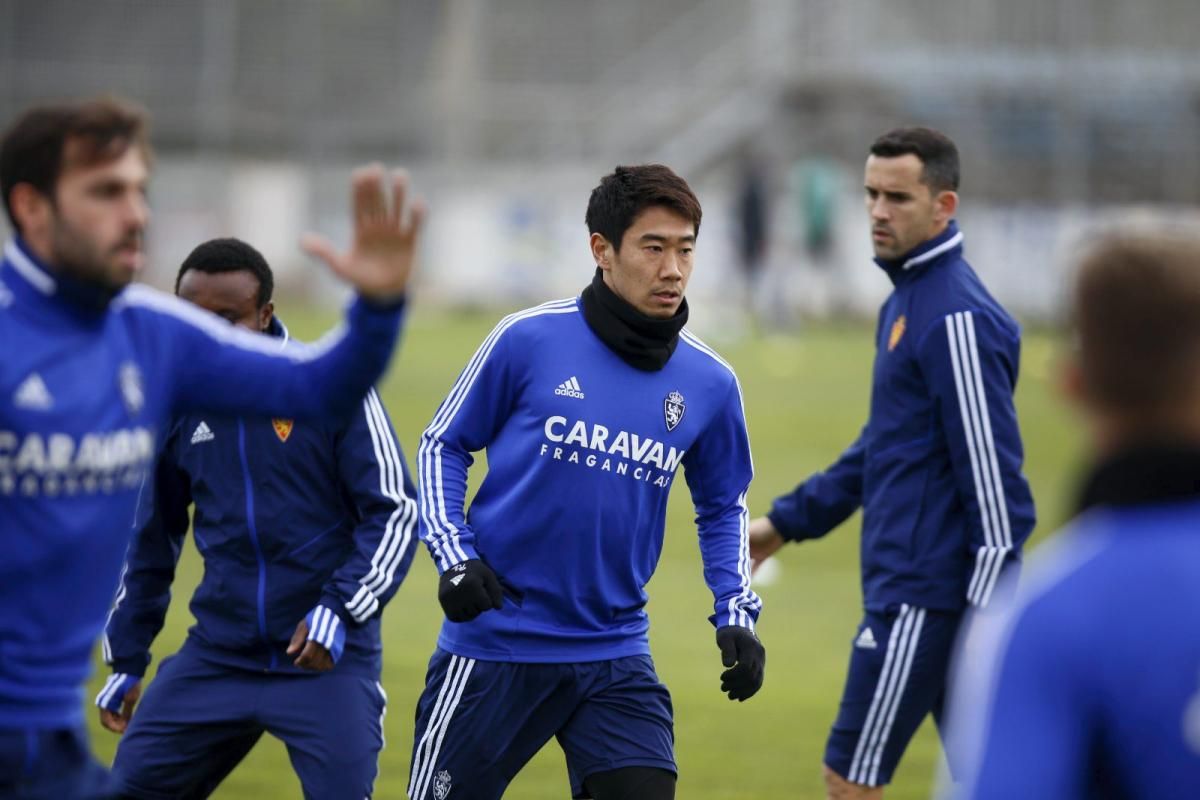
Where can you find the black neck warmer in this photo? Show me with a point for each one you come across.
(641, 341)
(1146, 474)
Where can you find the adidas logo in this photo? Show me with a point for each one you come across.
(570, 388)
(457, 579)
(32, 393)
(866, 640)
(203, 433)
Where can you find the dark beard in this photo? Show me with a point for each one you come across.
(81, 271)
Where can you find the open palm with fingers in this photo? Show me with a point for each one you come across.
(380, 261)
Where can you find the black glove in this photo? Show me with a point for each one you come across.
(469, 589)
(746, 658)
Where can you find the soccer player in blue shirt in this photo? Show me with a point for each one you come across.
(93, 369)
(586, 407)
(1090, 687)
(936, 469)
(306, 530)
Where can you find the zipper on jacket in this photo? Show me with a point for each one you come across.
(253, 528)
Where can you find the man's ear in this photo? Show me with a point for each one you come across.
(265, 315)
(947, 206)
(602, 251)
(31, 208)
(1071, 384)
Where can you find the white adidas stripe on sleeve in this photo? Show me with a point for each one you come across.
(399, 528)
(442, 534)
(977, 427)
(747, 600)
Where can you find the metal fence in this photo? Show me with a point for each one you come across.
(1068, 113)
(1055, 100)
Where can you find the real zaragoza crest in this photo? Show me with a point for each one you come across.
(283, 428)
(673, 408)
(897, 332)
(441, 785)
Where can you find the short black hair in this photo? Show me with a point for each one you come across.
(230, 255)
(936, 151)
(1136, 315)
(38, 145)
(628, 191)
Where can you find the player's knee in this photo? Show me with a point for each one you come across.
(632, 783)
(838, 788)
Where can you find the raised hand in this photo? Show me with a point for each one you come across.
(380, 261)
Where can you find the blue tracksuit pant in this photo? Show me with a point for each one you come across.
(198, 719)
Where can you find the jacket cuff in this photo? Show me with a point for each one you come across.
(326, 628)
(334, 602)
(999, 592)
(452, 556)
(130, 666)
(112, 694)
(385, 308)
(725, 623)
(780, 523)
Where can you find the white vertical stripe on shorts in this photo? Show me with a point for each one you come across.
(902, 646)
(426, 751)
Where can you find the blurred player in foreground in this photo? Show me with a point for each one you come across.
(93, 369)
(1092, 687)
(936, 469)
(306, 530)
(586, 407)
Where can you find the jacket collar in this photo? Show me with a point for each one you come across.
(30, 272)
(1142, 475)
(33, 280)
(947, 244)
(278, 330)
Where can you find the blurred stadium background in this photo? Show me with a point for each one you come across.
(1071, 116)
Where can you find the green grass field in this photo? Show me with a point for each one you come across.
(806, 398)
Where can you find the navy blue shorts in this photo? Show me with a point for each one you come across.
(479, 722)
(198, 720)
(898, 675)
(49, 765)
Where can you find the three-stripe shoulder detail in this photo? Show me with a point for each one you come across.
(398, 530)
(981, 448)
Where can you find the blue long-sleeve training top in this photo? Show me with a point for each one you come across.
(1090, 687)
(582, 450)
(84, 396)
(937, 468)
(288, 515)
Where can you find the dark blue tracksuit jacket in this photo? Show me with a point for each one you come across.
(937, 468)
(287, 515)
